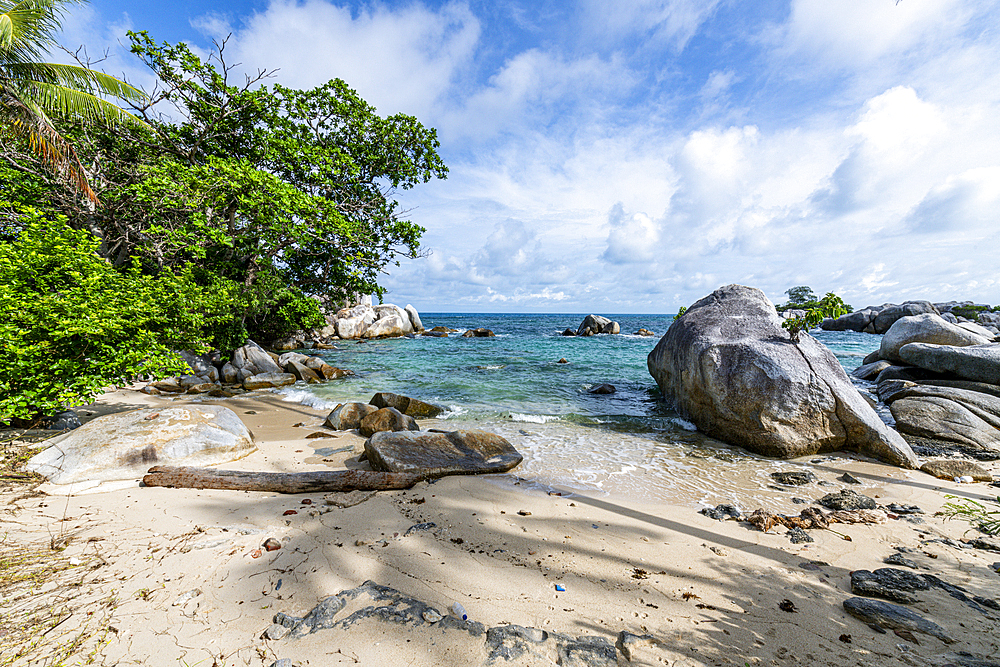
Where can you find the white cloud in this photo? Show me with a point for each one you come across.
(670, 23)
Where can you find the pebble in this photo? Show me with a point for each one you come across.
(432, 615)
(276, 632)
(271, 544)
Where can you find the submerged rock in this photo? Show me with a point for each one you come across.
(125, 445)
(439, 454)
(730, 368)
(478, 333)
(793, 478)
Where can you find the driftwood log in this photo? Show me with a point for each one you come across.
(280, 482)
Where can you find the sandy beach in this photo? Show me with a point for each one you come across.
(160, 576)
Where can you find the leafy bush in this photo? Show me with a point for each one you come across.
(74, 325)
(680, 312)
(830, 305)
(969, 312)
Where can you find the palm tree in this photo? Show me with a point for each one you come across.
(32, 92)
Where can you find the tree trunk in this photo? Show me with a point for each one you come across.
(280, 482)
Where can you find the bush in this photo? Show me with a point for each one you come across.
(74, 325)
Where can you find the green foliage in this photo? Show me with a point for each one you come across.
(73, 325)
(970, 312)
(985, 515)
(680, 312)
(831, 306)
(798, 296)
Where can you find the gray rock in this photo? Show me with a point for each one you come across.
(859, 320)
(478, 333)
(871, 357)
(596, 324)
(125, 445)
(952, 468)
(391, 322)
(407, 405)
(283, 662)
(348, 416)
(512, 642)
(966, 659)
(386, 419)
(630, 644)
(229, 374)
(985, 543)
(268, 380)
(414, 316)
(845, 499)
(909, 373)
(889, 315)
(302, 372)
(252, 359)
(439, 454)
(893, 617)
(730, 368)
(793, 478)
(587, 652)
(870, 371)
(66, 420)
(848, 478)
(799, 536)
(900, 559)
(352, 323)
(276, 632)
(603, 389)
(979, 363)
(888, 583)
(981, 387)
(172, 385)
(722, 512)
(928, 328)
(977, 329)
(943, 419)
(297, 357)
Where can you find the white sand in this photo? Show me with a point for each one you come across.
(708, 591)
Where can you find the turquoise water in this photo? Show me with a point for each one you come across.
(628, 442)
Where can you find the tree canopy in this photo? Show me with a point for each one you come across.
(269, 199)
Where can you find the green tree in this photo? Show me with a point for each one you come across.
(799, 296)
(74, 325)
(33, 94)
(830, 305)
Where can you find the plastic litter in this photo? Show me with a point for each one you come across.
(964, 479)
(560, 587)
(459, 611)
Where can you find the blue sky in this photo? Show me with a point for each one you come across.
(634, 156)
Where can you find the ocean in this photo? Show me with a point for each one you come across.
(628, 444)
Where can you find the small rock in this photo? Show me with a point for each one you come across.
(721, 512)
(849, 479)
(524, 512)
(432, 615)
(284, 662)
(900, 559)
(847, 500)
(564, 360)
(628, 644)
(886, 615)
(985, 543)
(799, 501)
(798, 536)
(793, 478)
(276, 632)
(887, 583)
(952, 468)
(271, 544)
(896, 508)
(603, 389)
(719, 551)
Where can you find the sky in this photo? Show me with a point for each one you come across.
(633, 156)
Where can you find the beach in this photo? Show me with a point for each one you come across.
(179, 576)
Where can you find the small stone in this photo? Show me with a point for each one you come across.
(900, 559)
(432, 615)
(276, 632)
(524, 512)
(799, 536)
(564, 360)
(985, 543)
(719, 551)
(721, 512)
(793, 478)
(799, 501)
(603, 389)
(284, 662)
(849, 479)
(271, 544)
(187, 597)
(847, 500)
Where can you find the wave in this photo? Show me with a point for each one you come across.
(532, 419)
(306, 397)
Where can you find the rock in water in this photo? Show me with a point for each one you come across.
(408, 406)
(730, 368)
(125, 445)
(454, 453)
(893, 617)
(595, 324)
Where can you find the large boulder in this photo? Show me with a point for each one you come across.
(439, 454)
(980, 363)
(940, 418)
(888, 315)
(302, 372)
(354, 322)
(386, 419)
(268, 381)
(595, 324)
(729, 367)
(392, 322)
(252, 359)
(125, 445)
(926, 328)
(348, 416)
(859, 320)
(408, 406)
(414, 316)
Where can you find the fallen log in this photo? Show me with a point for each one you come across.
(185, 477)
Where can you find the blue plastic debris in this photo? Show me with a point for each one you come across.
(560, 587)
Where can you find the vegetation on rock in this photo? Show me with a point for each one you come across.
(830, 305)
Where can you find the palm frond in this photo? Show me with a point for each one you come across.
(68, 102)
(81, 78)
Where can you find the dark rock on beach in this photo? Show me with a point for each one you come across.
(729, 367)
(439, 454)
(888, 583)
(793, 478)
(348, 416)
(893, 617)
(845, 499)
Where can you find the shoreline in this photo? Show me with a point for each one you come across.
(498, 549)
